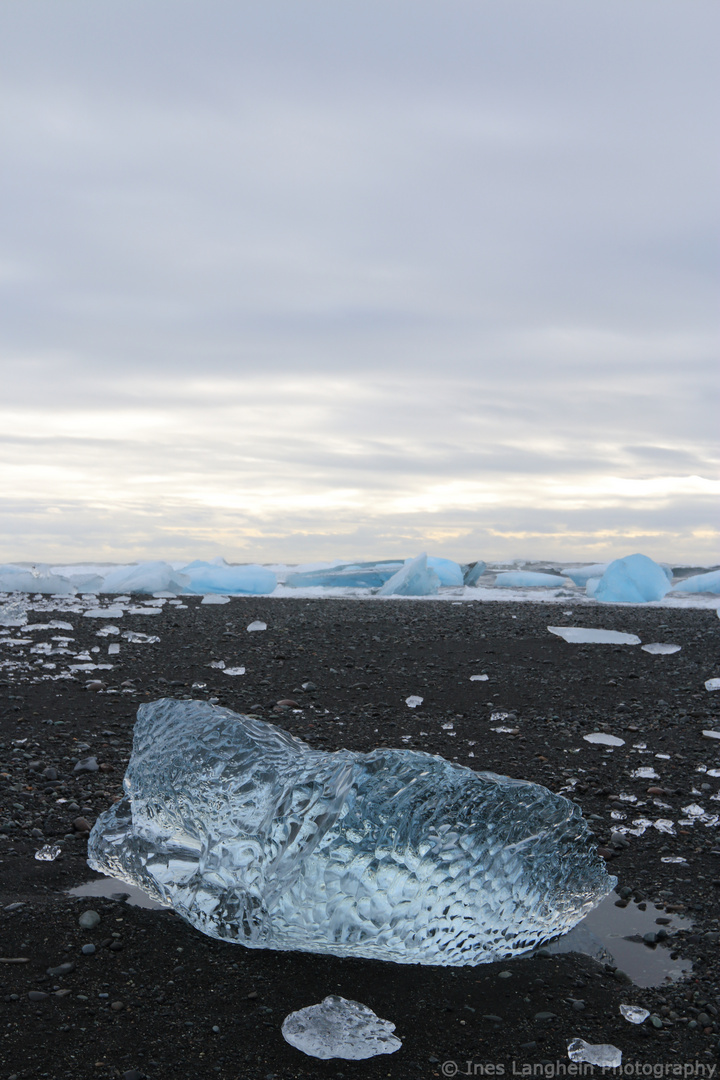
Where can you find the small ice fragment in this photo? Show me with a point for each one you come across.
(506, 730)
(219, 664)
(664, 825)
(140, 639)
(13, 613)
(48, 853)
(497, 716)
(479, 678)
(602, 1054)
(602, 739)
(634, 1014)
(711, 735)
(713, 772)
(339, 1028)
(257, 625)
(583, 635)
(113, 650)
(413, 701)
(105, 632)
(657, 648)
(103, 613)
(215, 598)
(234, 670)
(693, 810)
(646, 772)
(673, 859)
(712, 684)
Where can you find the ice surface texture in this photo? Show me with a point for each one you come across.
(339, 1028)
(635, 579)
(253, 837)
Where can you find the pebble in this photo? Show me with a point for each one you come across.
(117, 1006)
(88, 764)
(88, 949)
(89, 920)
(62, 969)
(82, 824)
(133, 1074)
(37, 995)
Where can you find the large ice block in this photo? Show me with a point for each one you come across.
(249, 580)
(415, 578)
(527, 579)
(449, 572)
(35, 579)
(635, 579)
(355, 575)
(255, 838)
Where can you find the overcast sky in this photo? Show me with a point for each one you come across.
(305, 279)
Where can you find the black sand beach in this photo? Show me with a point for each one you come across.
(158, 999)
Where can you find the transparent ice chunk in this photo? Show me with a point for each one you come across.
(13, 613)
(602, 739)
(255, 838)
(48, 853)
(415, 578)
(602, 1054)
(659, 648)
(339, 1028)
(586, 635)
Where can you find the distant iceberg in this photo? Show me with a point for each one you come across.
(36, 579)
(526, 579)
(414, 579)
(582, 574)
(251, 580)
(635, 579)
(473, 572)
(145, 577)
(351, 575)
(700, 583)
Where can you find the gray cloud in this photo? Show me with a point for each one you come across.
(379, 247)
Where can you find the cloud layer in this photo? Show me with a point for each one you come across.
(309, 281)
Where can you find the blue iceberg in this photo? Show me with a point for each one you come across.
(35, 579)
(354, 575)
(474, 572)
(526, 579)
(700, 583)
(448, 571)
(415, 578)
(255, 838)
(582, 574)
(205, 577)
(144, 577)
(635, 579)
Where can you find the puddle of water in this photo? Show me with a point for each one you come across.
(612, 934)
(113, 889)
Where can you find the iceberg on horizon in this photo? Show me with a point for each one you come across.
(700, 583)
(526, 579)
(349, 575)
(415, 578)
(35, 579)
(636, 579)
(255, 838)
(144, 577)
(247, 580)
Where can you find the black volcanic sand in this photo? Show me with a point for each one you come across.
(159, 998)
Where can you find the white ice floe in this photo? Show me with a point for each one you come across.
(257, 625)
(413, 701)
(602, 739)
(214, 598)
(103, 613)
(479, 678)
(339, 1028)
(657, 648)
(234, 670)
(712, 684)
(583, 635)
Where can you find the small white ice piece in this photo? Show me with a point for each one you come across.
(602, 739)
(339, 1028)
(137, 638)
(257, 625)
(479, 678)
(673, 859)
(712, 735)
(657, 648)
(103, 613)
(234, 670)
(664, 825)
(585, 635)
(602, 1054)
(634, 1014)
(48, 853)
(215, 598)
(712, 684)
(645, 772)
(114, 649)
(413, 701)
(220, 664)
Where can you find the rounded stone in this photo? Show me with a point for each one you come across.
(89, 920)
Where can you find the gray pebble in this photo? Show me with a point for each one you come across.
(88, 764)
(578, 1005)
(88, 949)
(89, 920)
(37, 995)
(62, 969)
